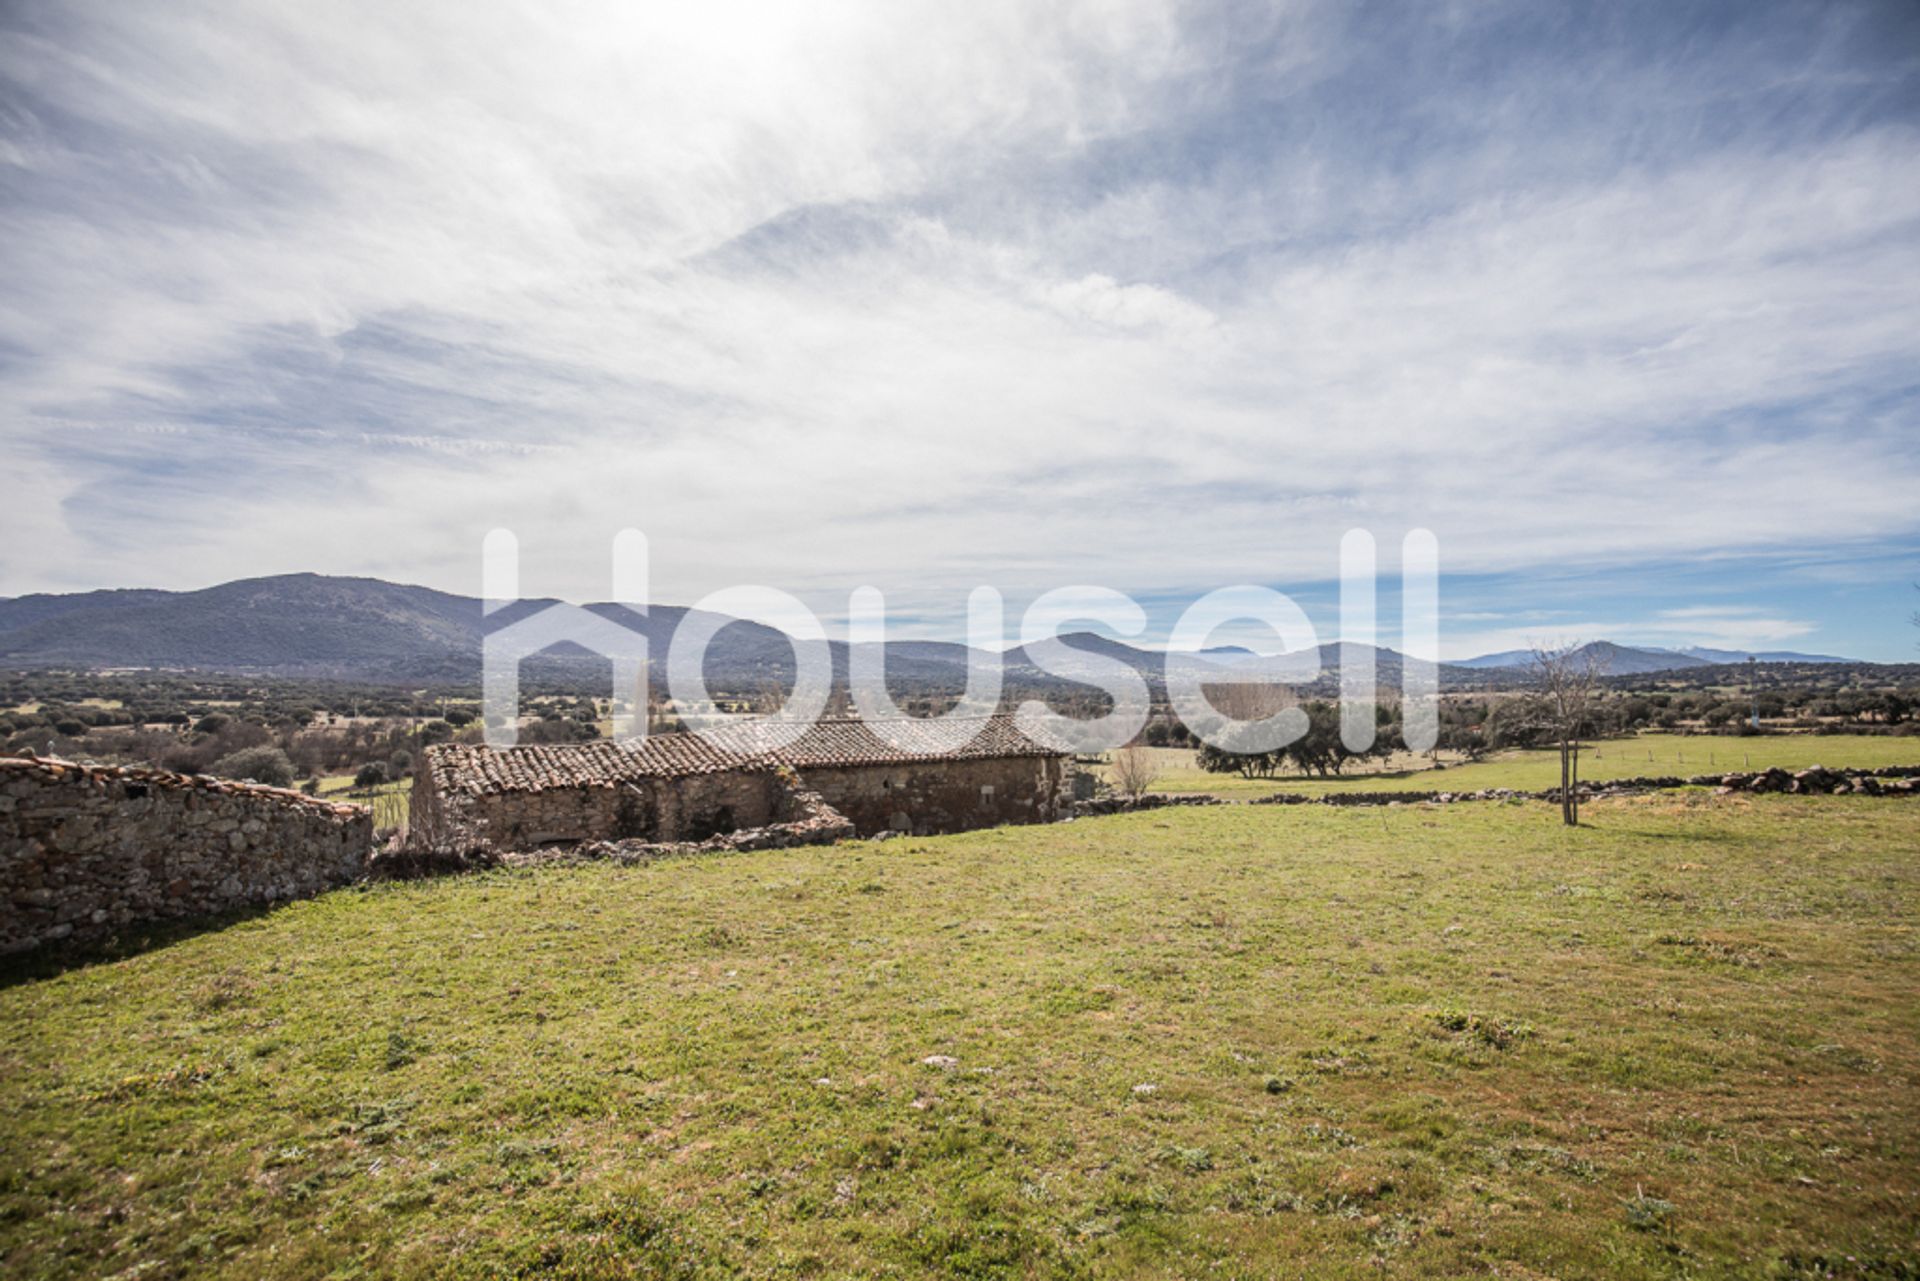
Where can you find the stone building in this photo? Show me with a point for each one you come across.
(662, 789)
(676, 788)
(998, 776)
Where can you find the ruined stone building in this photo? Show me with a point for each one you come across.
(998, 776)
(686, 787)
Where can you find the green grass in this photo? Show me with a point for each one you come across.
(1681, 1041)
(1536, 770)
(388, 801)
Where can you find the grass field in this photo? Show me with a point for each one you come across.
(388, 801)
(1682, 1041)
(1536, 770)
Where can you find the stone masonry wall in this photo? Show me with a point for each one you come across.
(654, 809)
(944, 795)
(86, 850)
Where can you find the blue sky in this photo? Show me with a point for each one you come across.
(1619, 302)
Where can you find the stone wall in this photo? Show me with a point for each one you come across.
(936, 796)
(647, 808)
(86, 850)
(802, 818)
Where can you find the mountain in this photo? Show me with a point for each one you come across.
(367, 629)
(1626, 660)
(1765, 655)
(1615, 660)
(311, 625)
(18, 611)
(1505, 658)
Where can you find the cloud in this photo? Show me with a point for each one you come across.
(1104, 301)
(1161, 297)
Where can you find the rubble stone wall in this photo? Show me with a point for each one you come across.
(651, 809)
(87, 850)
(936, 796)
(802, 818)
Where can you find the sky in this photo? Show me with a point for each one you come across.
(1619, 301)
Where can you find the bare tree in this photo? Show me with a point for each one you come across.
(1565, 680)
(1135, 770)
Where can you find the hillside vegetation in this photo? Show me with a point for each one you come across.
(1237, 1042)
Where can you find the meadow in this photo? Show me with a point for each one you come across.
(1536, 770)
(1679, 1041)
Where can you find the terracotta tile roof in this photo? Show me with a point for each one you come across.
(854, 742)
(470, 768)
(461, 767)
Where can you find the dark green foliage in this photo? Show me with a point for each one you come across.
(267, 765)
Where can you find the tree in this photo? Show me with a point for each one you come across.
(267, 765)
(371, 774)
(1565, 680)
(1135, 770)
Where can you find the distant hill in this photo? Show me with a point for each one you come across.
(313, 625)
(1765, 655)
(367, 629)
(303, 624)
(1627, 660)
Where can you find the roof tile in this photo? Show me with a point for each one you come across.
(471, 768)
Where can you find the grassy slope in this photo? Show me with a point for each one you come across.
(1399, 1042)
(1535, 770)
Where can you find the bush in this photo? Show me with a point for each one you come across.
(267, 765)
(372, 774)
(212, 723)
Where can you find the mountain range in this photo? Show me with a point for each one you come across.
(1626, 660)
(367, 629)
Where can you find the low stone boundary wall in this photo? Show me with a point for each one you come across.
(88, 849)
(1148, 801)
(1892, 780)
(1888, 780)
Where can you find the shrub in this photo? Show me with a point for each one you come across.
(372, 774)
(267, 765)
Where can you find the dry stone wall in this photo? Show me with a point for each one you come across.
(802, 818)
(936, 796)
(1892, 780)
(460, 825)
(86, 850)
